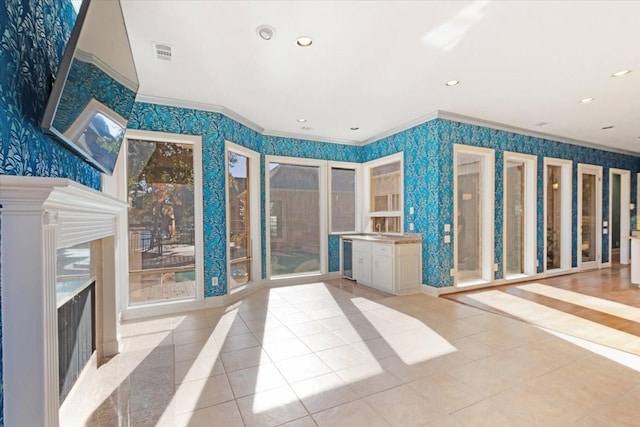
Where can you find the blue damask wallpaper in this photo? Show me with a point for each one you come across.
(33, 37)
(428, 168)
(215, 128)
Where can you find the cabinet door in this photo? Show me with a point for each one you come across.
(362, 267)
(383, 272)
(382, 266)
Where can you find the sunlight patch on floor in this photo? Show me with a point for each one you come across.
(540, 315)
(599, 304)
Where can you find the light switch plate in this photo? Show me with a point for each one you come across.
(447, 239)
(411, 210)
(447, 228)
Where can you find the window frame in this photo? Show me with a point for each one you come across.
(530, 173)
(566, 223)
(357, 167)
(255, 217)
(323, 213)
(488, 213)
(367, 214)
(162, 307)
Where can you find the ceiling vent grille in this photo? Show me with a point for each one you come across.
(163, 51)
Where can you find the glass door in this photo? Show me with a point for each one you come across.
(239, 220)
(554, 206)
(589, 216)
(160, 183)
(293, 219)
(473, 223)
(244, 244)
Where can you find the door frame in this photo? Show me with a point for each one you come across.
(488, 213)
(529, 247)
(625, 213)
(566, 224)
(254, 214)
(597, 171)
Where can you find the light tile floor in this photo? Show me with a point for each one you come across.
(325, 354)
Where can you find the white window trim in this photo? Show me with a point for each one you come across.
(322, 189)
(254, 214)
(488, 207)
(566, 224)
(597, 171)
(366, 192)
(163, 307)
(530, 163)
(625, 213)
(357, 167)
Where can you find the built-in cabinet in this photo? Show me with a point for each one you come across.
(393, 268)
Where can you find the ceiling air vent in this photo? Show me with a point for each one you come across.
(163, 51)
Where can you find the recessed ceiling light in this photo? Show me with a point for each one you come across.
(302, 120)
(607, 127)
(452, 82)
(354, 128)
(542, 124)
(304, 41)
(587, 100)
(621, 73)
(266, 32)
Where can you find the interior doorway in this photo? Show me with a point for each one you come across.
(589, 216)
(619, 215)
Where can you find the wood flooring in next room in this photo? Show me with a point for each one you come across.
(601, 306)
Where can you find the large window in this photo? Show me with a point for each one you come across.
(297, 228)
(343, 199)
(385, 187)
(162, 220)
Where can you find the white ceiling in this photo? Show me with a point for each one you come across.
(382, 65)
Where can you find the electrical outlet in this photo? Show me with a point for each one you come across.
(214, 281)
(411, 210)
(495, 267)
(452, 272)
(411, 227)
(447, 238)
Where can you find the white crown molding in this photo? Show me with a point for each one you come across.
(438, 114)
(400, 128)
(447, 115)
(201, 106)
(307, 137)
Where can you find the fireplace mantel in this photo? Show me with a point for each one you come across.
(38, 216)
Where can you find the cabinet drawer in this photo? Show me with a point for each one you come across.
(385, 250)
(364, 247)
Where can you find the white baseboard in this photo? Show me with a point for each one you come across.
(432, 291)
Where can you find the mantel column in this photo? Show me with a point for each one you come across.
(29, 317)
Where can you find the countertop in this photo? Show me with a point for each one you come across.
(389, 239)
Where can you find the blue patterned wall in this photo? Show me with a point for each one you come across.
(33, 35)
(428, 169)
(215, 128)
(428, 178)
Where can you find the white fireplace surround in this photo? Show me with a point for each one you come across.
(38, 216)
